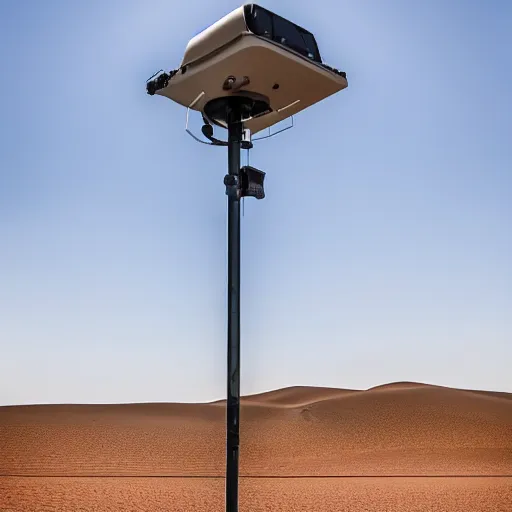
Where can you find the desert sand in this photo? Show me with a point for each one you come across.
(397, 447)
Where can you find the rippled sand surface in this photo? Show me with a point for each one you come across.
(398, 447)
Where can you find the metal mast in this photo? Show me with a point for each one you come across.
(234, 118)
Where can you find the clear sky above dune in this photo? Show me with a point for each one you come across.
(381, 252)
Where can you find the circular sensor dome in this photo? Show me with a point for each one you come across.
(251, 105)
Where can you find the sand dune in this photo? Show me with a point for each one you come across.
(303, 448)
(397, 429)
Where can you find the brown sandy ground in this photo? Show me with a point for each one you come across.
(95, 494)
(399, 430)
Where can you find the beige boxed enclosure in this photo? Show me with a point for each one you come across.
(260, 53)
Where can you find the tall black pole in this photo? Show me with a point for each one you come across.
(233, 392)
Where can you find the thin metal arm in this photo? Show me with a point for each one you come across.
(186, 122)
(275, 133)
(233, 379)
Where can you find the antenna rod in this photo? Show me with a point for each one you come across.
(234, 119)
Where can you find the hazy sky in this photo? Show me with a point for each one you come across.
(382, 251)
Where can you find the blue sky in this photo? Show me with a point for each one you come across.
(382, 251)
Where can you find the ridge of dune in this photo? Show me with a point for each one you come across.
(400, 385)
(292, 396)
(297, 395)
(404, 385)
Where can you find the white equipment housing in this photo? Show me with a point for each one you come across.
(261, 54)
